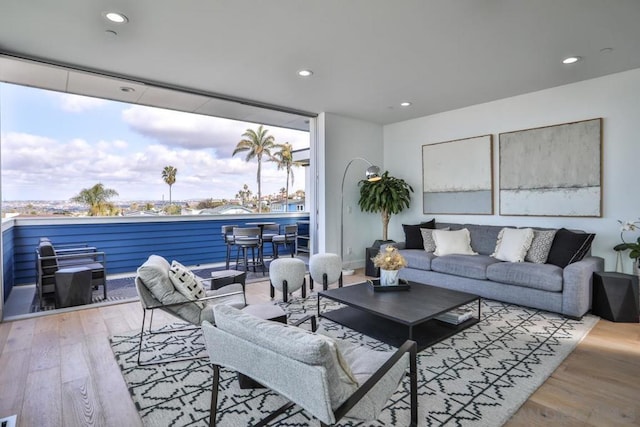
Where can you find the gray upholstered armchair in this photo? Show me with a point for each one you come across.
(177, 291)
(328, 378)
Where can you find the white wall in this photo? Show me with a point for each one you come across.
(342, 139)
(615, 98)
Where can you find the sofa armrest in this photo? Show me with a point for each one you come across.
(399, 245)
(578, 279)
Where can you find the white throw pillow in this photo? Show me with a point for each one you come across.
(513, 244)
(427, 239)
(186, 282)
(453, 242)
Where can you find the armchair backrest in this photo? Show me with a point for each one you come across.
(302, 366)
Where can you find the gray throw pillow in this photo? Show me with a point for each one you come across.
(540, 246)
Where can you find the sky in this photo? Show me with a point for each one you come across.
(54, 144)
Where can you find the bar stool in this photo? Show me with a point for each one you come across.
(288, 239)
(269, 231)
(227, 237)
(245, 238)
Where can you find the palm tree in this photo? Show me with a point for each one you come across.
(284, 160)
(169, 176)
(97, 197)
(256, 143)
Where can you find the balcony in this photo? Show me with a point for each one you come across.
(127, 241)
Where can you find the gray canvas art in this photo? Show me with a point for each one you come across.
(552, 171)
(457, 176)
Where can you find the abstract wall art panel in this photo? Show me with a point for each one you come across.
(552, 171)
(457, 176)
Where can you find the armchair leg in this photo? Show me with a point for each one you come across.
(304, 288)
(325, 282)
(340, 280)
(272, 290)
(214, 396)
(310, 282)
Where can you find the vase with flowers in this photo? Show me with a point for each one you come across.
(632, 247)
(390, 261)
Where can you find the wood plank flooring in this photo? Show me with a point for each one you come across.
(59, 370)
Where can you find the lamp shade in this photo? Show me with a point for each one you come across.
(373, 173)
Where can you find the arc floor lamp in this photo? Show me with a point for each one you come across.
(372, 174)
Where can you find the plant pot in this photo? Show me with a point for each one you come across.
(389, 277)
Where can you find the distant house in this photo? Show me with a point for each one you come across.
(226, 210)
(292, 205)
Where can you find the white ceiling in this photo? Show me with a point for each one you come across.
(367, 55)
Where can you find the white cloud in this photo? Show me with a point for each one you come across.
(187, 130)
(77, 103)
(40, 168)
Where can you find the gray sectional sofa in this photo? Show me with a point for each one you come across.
(539, 285)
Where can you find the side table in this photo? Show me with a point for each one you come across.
(371, 270)
(72, 286)
(615, 297)
(227, 277)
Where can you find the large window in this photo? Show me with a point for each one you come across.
(56, 145)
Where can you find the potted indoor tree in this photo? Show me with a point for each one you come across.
(388, 195)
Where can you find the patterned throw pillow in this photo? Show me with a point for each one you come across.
(540, 246)
(186, 282)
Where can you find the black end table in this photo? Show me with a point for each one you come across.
(370, 269)
(615, 297)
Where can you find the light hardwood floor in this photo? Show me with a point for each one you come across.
(59, 370)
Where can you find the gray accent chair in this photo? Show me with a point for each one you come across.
(329, 378)
(287, 276)
(325, 268)
(157, 292)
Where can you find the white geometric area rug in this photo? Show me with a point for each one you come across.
(478, 377)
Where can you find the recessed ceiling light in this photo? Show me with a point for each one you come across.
(571, 60)
(116, 17)
(127, 89)
(305, 73)
(405, 104)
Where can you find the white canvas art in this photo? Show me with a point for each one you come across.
(457, 176)
(552, 170)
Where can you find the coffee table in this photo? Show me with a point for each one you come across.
(394, 317)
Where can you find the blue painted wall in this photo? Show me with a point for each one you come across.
(7, 261)
(127, 243)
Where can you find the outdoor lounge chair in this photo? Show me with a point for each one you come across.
(50, 259)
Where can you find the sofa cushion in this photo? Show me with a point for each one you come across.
(186, 282)
(540, 246)
(546, 277)
(569, 247)
(513, 244)
(412, 236)
(452, 242)
(473, 267)
(483, 237)
(417, 258)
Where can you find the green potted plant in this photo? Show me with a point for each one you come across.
(634, 247)
(389, 195)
